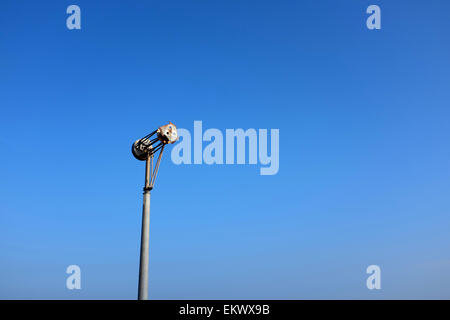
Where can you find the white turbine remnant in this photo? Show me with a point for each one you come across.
(168, 133)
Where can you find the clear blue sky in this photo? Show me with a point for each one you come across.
(364, 152)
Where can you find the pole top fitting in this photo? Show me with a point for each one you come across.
(153, 142)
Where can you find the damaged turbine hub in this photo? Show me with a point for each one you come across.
(147, 146)
(168, 134)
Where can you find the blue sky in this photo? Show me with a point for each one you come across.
(364, 153)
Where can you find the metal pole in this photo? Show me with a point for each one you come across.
(145, 234)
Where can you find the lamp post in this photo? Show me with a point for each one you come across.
(145, 149)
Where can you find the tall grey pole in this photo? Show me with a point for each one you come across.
(145, 234)
(145, 149)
